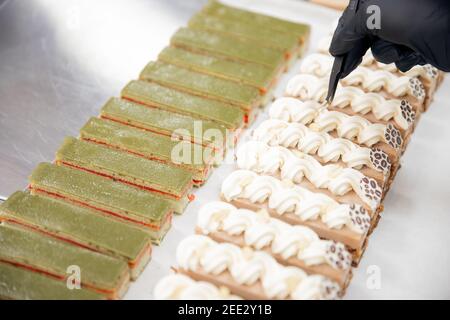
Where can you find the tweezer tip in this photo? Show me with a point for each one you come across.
(324, 105)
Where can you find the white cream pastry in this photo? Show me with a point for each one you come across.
(308, 86)
(294, 166)
(426, 72)
(354, 128)
(260, 231)
(181, 287)
(371, 80)
(284, 197)
(294, 110)
(276, 132)
(317, 64)
(248, 267)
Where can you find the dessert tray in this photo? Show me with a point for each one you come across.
(309, 202)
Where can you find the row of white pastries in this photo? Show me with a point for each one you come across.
(308, 189)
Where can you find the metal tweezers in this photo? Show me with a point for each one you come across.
(339, 62)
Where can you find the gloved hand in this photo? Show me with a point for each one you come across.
(412, 32)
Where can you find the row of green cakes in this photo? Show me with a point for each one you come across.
(49, 235)
(226, 55)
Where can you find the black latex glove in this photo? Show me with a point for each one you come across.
(413, 32)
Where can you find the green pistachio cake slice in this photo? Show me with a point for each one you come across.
(44, 254)
(243, 96)
(228, 47)
(183, 154)
(176, 126)
(154, 95)
(22, 284)
(80, 226)
(248, 73)
(159, 178)
(287, 42)
(140, 208)
(215, 8)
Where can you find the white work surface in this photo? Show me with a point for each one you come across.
(61, 60)
(409, 248)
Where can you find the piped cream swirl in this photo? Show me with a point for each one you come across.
(370, 80)
(354, 128)
(181, 287)
(259, 231)
(247, 267)
(295, 166)
(284, 197)
(426, 72)
(308, 86)
(276, 132)
(377, 80)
